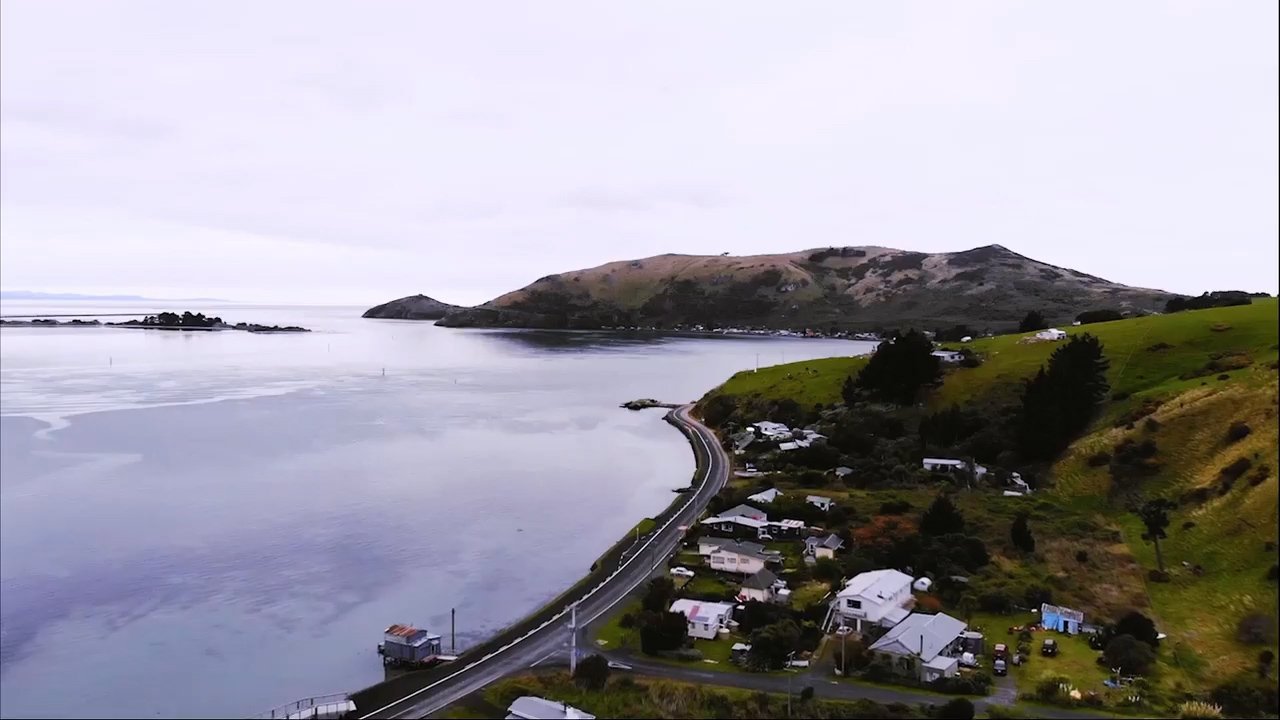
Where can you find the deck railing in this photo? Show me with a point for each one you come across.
(322, 705)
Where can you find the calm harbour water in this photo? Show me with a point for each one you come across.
(213, 524)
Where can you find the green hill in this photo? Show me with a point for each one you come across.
(1179, 382)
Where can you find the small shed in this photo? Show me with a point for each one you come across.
(972, 642)
(922, 584)
(1062, 619)
(408, 644)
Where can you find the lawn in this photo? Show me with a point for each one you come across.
(612, 636)
(707, 584)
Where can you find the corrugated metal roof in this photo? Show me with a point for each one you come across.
(402, 630)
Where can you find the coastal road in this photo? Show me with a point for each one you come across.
(637, 566)
(824, 687)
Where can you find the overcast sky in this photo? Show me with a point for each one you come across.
(351, 153)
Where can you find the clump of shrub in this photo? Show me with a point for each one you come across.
(1199, 710)
(1256, 629)
(1259, 475)
(976, 684)
(1082, 556)
(1098, 459)
(1228, 475)
(1159, 347)
(1134, 459)
(1151, 425)
(894, 507)
(1238, 431)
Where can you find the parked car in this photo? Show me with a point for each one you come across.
(683, 572)
(1049, 648)
(618, 666)
(1000, 651)
(999, 667)
(843, 630)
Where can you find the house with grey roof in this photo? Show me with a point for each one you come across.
(822, 547)
(763, 586)
(736, 556)
(925, 647)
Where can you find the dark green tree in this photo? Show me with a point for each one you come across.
(1154, 514)
(1021, 535)
(957, 709)
(942, 517)
(1032, 322)
(662, 631)
(771, 644)
(658, 595)
(1059, 401)
(1139, 626)
(592, 672)
(849, 391)
(899, 370)
(1129, 654)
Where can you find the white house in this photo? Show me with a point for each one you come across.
(529, 707)
(878, 597)
(742, 517)
(925, 646)
(765, 496)
(1053, 334)
(705, 618)
(922, 584)
(950, 465)
(948, 356)
(735, 556)
(763, 587)
(823, 547)
(843, 472)
(771, 430)
(821, 502)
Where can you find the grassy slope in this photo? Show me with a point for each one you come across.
(808, 383)
(1199, 612)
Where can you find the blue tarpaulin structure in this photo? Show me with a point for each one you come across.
(1061, 619)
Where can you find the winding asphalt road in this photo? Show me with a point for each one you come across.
(549, 639)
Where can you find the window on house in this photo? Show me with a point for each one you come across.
(853, 604)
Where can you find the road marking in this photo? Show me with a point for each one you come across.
(706, 479)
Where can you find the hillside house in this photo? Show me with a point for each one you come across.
(771, 430)
(878, 597)
(765, 496)
(1051, 334)
(529, 707)
(705, 618)
(948, 356)
(952, 465)
(822, 547)
(764, 586)
(736, 556)
(821, 502)
(740, 520)
(925, 647)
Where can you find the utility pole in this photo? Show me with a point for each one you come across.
(789, 672)
(573, 639)
(453, 631)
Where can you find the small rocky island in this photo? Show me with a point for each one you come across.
(164, 321)
(413, 307)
